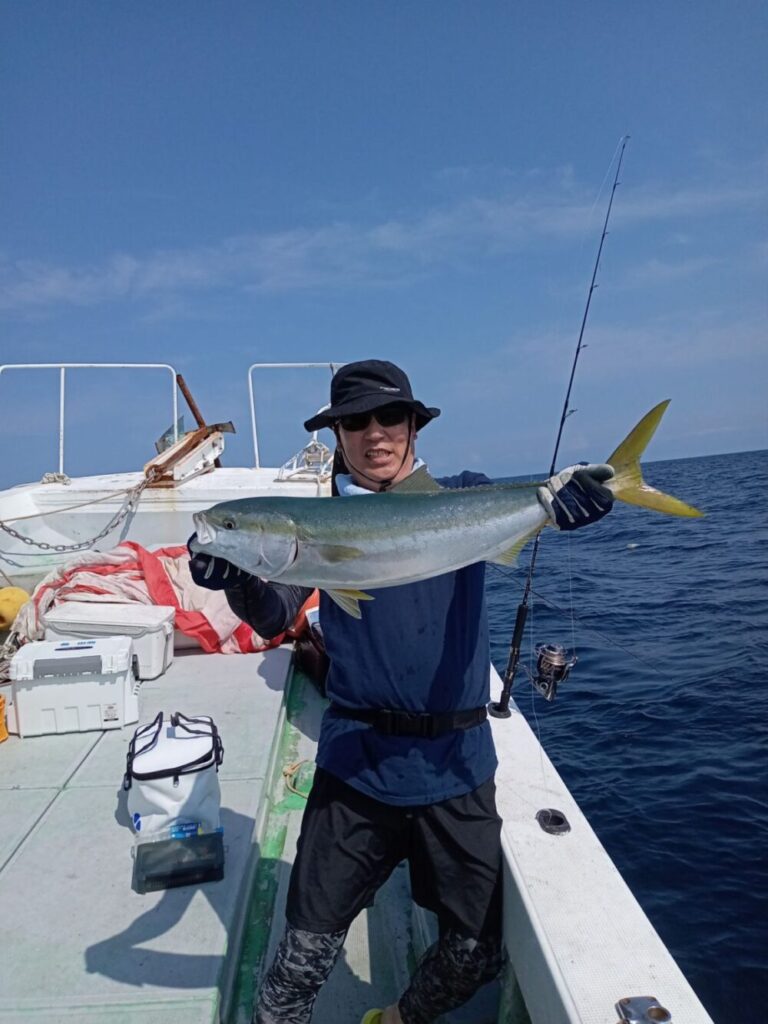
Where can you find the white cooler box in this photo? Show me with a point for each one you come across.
(149, 626)
(74, 686)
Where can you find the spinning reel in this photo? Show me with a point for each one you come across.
(553, 663)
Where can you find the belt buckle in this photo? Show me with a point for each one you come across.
(421, 724)
(427, 725)
(385, 721)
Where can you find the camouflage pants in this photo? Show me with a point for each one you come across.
(302, 963)
(449, 974)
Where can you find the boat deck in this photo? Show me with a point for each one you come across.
(81, 945)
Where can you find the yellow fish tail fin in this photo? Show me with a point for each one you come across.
(628, 484)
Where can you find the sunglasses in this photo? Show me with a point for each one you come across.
(386, 416)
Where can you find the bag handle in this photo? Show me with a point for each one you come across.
(179, 721)
(151, 732)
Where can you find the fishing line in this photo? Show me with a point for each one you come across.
(570, 598)
(500, 708)
(605, 637)
(599, 195)
(531, 662)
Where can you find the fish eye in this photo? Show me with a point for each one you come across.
(228, 524)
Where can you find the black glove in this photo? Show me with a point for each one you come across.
(213, 573)
(576, 496)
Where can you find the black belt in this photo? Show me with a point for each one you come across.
(413, 723)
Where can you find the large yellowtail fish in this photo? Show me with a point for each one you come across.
(348, 547)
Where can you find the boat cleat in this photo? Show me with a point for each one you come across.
(642, 1010)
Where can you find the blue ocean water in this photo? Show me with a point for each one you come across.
(661, 731)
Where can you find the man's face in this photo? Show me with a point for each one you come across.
(381, 452)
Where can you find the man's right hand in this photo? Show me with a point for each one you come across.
(213, 573)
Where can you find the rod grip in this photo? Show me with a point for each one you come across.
(500, 709)
(517, 635)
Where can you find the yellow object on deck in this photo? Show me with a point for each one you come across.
(3, 730)
(11, 601)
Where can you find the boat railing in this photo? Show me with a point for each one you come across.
(332, 367)
(63, 367)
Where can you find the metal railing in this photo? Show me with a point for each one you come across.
(333, 367)
(63, 367)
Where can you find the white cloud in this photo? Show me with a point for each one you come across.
(512, 396)
(343, 254)
(661, 272)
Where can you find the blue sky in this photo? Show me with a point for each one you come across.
(215, 184)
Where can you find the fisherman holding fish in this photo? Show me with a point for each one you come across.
(405, 758)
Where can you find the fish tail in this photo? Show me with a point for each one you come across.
(628, 484)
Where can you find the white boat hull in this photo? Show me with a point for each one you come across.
(64, 514)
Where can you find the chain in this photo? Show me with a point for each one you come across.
(132, 500)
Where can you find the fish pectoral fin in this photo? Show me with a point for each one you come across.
(349, 600)
(338, 552)
(509, 557)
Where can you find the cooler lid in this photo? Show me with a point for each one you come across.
(107, 655)
(125, 617)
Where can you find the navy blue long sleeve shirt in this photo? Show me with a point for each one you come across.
(419, 647)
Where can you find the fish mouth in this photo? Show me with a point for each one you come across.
(206, 534)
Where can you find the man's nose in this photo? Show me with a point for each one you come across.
(374, 428)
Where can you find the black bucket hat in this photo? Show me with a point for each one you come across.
(368, 385)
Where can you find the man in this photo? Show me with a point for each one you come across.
(405, 758)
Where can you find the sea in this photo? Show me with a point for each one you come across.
(661, 730)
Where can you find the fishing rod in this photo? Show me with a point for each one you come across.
(553, 665)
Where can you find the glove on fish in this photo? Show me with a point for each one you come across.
(576, 497)
(213, 573)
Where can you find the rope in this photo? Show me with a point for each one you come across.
(7, 651)
(289, 775)
(132, 498)
(69, 508)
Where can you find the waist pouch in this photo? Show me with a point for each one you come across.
(413, 723)
(171, 777)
